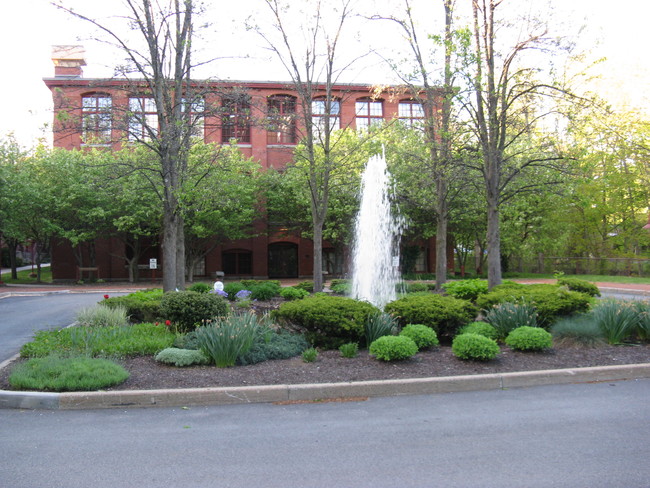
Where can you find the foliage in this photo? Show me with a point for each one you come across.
(227, 338)
(67, 374)
(578, 330)
(443, 314)
(414, 287)
(474, 347)
(378, 325)
(310, 355)
(141, 306)
(233, 288)
(643, 327)
(293, 293)
(271, 345)
(349, 350)
(507, 316)
(250, 284)
(529, 339)
(132, 340)
(100, 315)
(200, 287)
(341, 288)
(423, 336)
(550, 301)
(187, 309)
(617, 319)
(329, 321)
(393, 348)
(581, 286)
(466, 289)
(306, 285)
(481, 328)
(181, 357)
(265, 291)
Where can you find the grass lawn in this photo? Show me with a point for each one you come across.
(24, 279)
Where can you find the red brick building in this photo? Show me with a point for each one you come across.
(94, 102)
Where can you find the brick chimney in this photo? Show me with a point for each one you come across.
(68, 61)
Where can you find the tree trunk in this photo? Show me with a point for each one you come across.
(170, 238)
(12, 245)
(318, 255)
(441, 234)
(493, 245)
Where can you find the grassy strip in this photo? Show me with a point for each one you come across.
(24, 278)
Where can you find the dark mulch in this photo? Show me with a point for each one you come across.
(331, 367)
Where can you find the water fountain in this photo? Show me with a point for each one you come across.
(375, 254)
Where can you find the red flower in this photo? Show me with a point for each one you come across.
(168, 323)
(157, 323)
(105, 297)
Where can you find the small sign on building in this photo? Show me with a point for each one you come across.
(153, 263)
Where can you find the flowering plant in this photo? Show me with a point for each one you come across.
(220, 293)
(243, 295)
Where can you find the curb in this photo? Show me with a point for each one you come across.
(317, 391)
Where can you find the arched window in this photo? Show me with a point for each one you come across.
(96, 118)
(281, 113)
(320, 112)
(410, 112)
(369, 112)
(236, 119)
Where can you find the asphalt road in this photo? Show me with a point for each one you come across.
(21, 317)
(574, 436)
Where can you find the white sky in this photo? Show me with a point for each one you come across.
(28, 29)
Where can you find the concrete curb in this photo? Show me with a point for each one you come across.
(317, 391)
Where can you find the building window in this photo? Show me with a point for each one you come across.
(368, 113)
(236, 119)
(143, 118)
(410, 113)
(319, 115)
(281, 120)
(237, 262)
(195, 108)
(96, 119)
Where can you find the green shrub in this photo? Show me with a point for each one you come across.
(474, 347)
(200, 287)
(102, 316)
(507, 316)
(308, 286)
(141, 306)
(328, 321)
(132, 340)
(443, 314)
(67, 374)
(466, 289)
(265, 291)
(227, 338)
(550, 301)
(292, 293)
(617, 319)
(577, 331)
(529, 339)
(310, 355)
(415, 287)
(271, 345)
(233, 288)
(249, 284)
(349, 350)
(378, 325)
(581, 286)
(480, 328)
(341, 288)
(423, 336)
(393, 348)
(188, 309)
(181, 357)
(643, 326)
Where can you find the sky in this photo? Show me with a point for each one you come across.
(28, 29)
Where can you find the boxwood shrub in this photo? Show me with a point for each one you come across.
(328, 321)
(423, 336)
(474, 347)
(529, 339)
(292, 293)
(581, 286)
(551, 301)
(393, 348)
(187, 309)
(443, 314)
(466, 289)
(481, 328)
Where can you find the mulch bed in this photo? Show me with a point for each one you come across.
(146, 374)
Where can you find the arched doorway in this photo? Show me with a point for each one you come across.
(283, 260)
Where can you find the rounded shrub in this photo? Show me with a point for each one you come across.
(181, 357)
(292, 293)
(416, 287)
(393, 348)
(474, 347)
(200, 287)
(308, 286)
(232, 289)
(141, 306)
(328, 321)
(481, 328)
(581, 286)
(349, 350)
(529, 339)
(422, 335)
(187, 309)
(265, 291)
(466, 289)
(340, 286)
(279, 344)
(443, 314)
